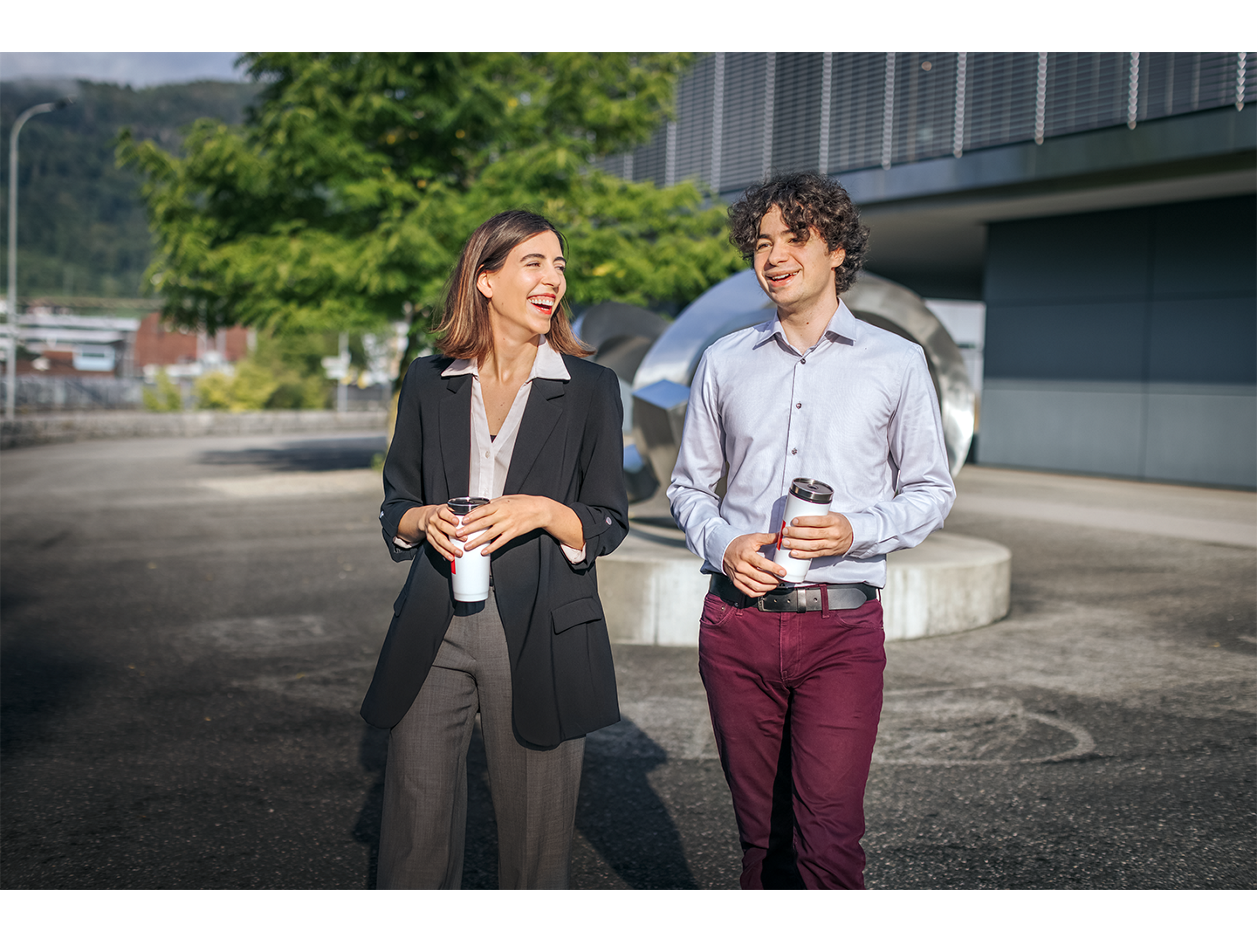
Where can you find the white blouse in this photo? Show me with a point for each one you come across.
(491, 454)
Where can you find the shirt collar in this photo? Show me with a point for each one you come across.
(547, 365)
(841, 326)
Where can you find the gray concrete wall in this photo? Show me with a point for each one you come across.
(1125, 343)
(50, 428)
(1201, 433)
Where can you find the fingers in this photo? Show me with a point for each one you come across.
(754, 585)
(801, 547)
(752, 572)
(814, 523)
(440, 529)
(477, 539)
(810, 537)
(493, 525)
(482, 526)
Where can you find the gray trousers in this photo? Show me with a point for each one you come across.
(424, 825)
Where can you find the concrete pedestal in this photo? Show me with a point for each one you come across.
(652, 591)
(947, 584)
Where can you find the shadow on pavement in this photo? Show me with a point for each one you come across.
(37, 685)
(623, 818)
(618, 813)
(372, 754)
(333, 454)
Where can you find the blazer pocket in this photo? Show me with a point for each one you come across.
(575, 613)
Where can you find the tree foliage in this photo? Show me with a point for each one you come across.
(266, 379)
(349, 191)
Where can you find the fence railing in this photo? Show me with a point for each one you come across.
(74, 393)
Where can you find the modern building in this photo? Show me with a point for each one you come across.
(1101, 206)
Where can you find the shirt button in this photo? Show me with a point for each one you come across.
(803, 360)
(798, 405)
(794, 451)
(608, 519)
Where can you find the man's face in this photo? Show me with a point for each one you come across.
(796, 273)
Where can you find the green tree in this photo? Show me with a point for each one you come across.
(347, 194)
(167, 397)
(281, 373)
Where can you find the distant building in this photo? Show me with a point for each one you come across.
(68, 344)
(1101, 206)
(185, 353)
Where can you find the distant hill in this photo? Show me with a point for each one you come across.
(82, 230)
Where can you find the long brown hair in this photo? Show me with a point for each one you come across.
(465, 324)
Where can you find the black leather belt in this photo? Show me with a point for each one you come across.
(799, 599)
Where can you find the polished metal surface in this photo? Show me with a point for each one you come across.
(736, 302)
(621, 335)
(658, 420)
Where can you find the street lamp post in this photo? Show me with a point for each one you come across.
(10, 367)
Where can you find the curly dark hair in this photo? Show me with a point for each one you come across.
(806, 201)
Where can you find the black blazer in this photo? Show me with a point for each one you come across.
(569, 448)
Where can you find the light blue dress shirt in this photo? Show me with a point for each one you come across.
(857, 411)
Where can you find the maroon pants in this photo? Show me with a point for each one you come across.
(795, 700)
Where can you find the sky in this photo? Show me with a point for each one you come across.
(138, 69)
(157, 26)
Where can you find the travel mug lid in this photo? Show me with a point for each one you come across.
(812, 491)
(465, 505)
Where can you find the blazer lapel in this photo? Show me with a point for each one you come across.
(545, 406)
(455, 435)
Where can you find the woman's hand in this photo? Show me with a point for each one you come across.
(435, 523)
(498, 522)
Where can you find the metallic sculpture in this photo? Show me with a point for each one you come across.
(662, 375)
(621, 335)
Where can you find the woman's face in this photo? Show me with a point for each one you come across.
(525, 293)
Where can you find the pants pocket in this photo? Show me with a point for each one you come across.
(716, 611)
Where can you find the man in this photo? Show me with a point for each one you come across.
(794, 675)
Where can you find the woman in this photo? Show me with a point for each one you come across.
(509, 412)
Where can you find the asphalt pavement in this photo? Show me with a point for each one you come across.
(189, 625)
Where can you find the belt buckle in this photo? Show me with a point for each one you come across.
(765, 603)
(778, 601)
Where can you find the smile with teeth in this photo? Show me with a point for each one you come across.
(780, 277)
(543, 302)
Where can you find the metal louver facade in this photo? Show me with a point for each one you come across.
(1000, 98)
(743, 115)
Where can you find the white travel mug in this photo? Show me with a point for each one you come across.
(469, 572)
(807, 498)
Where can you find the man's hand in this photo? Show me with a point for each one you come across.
(751, 572)
(809, 537)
